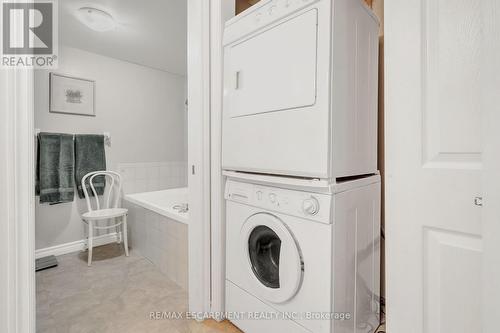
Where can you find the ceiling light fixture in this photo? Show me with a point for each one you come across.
(96, 19)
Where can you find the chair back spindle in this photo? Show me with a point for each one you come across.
(114, 189)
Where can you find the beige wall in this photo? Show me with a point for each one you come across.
(241, 5)
(378, 8)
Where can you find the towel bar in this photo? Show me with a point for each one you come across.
(107, 136)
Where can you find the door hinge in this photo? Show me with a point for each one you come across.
(192, 169)
(478, 201)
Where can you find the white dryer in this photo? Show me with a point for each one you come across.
(302, 261)
(300, 89)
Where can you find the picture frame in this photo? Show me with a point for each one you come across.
(71, 95)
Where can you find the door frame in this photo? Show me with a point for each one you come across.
(17, 213)
(491, 174)
(220, 12)
(198, 78)
(17, 209)
(17, 170)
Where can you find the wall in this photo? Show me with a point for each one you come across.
(378, 8)
(143, 110)
(241, 5)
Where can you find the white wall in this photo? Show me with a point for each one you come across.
(142, 108)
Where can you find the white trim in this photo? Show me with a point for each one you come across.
(17, 216)
(79, 245)
(25, 205)
(491, 160)
(220, 12)
(199, 154)
(17, 212)
(5, 261)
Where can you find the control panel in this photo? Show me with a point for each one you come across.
(260, 15)
(312, 206)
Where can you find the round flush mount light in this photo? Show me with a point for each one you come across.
(96, 19)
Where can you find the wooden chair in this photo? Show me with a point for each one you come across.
(111, 211)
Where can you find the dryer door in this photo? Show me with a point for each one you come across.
(274, 261)
(274, 70)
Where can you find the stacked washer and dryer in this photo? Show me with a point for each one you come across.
(300, 157)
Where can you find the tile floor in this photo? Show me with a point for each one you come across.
(117, 294)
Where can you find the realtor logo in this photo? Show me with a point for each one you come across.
(29, 34)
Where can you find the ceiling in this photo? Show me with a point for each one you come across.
(149, 32)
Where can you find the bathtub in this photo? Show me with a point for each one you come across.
(163, 202)
(159, 232)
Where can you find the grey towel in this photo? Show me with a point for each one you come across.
(55, 168)
(89, 156)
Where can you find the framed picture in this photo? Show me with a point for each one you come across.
(71, 95)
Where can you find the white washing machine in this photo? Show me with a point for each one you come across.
(302, 256)
(300, 89)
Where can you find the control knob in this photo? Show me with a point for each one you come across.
(310, 206)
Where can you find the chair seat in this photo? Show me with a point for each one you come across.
(103, 214)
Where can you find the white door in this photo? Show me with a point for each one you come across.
(434, 165)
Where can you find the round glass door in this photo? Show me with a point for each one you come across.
(274, 262)
(264, 251)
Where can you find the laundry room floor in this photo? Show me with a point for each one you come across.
(115, 294)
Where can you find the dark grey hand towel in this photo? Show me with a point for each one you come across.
(55, 168)
(90, 156)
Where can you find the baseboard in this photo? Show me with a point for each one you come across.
(75, 246)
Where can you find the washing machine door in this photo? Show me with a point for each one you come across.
(275, 264)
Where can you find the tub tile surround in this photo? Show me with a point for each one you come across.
(152, 176)
(161, 240)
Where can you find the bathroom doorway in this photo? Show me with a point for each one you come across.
(134, 58)
(19, 209)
